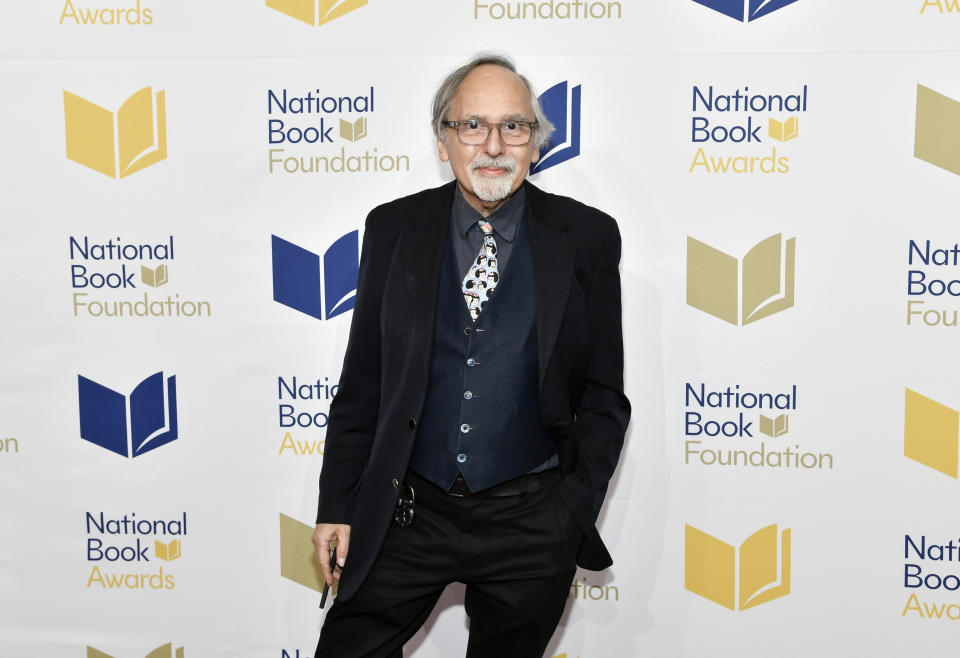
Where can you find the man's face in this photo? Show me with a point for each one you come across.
(489, 173)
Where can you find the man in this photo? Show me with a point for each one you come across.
(498, 422)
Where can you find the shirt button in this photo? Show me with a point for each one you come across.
(464, 428)
(461, 458)
(471, 362)
(467, 331)
(467, 395)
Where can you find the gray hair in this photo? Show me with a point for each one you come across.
(451, 84)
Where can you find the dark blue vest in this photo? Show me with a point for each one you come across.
(481, 417)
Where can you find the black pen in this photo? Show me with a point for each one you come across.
(333, 566)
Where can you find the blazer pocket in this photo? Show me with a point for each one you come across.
(562, 434)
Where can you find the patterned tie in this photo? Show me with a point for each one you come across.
(483, 276)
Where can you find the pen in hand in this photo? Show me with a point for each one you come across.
(333, 567)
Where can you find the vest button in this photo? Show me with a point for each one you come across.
(467, 331)
(396, 483)
(461, 458)
(412, 423)
(467, 395)
(471, 362)
(464, 428)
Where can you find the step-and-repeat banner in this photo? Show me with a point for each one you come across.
(183, 192)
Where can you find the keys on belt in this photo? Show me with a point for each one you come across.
(403, 514)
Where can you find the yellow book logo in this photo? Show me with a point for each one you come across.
(937, 132)
(117, 144)
(166, 651)
(154, 277)
(783, 131)
(315, 12)
(298, 562)
(777, 426)
(931, 433)
(740, 294)
(353, 131)
(711, 567)
(168, 552)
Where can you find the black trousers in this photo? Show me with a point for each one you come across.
(516, 555)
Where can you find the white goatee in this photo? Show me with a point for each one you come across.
(492, 188)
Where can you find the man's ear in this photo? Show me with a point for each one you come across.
(442, 150)
(536, 155)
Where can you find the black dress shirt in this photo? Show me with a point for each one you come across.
(468, 238)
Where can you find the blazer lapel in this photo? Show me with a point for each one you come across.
(553, 251)
(420, 251)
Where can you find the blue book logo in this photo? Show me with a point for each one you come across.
(297, 277)
(562, 106)
(129, 425)
(745, 10)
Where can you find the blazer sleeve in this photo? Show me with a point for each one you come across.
(354, 410)
(603, 412)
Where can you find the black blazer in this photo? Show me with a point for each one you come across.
(373, 418)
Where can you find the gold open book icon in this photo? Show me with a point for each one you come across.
(937, 130)
(154, 277)
(117, 143)
(745, 290)
(783, 131)
(165, 651)
(355, 130)
(776, 426)
(168, 552)
(738, 579)
(315, 12)
(931, 433)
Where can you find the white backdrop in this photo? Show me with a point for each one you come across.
(853, 199)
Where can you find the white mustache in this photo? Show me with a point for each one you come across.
(500, 162)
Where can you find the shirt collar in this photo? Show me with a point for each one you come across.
(505, 220)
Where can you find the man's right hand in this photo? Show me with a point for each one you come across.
(323, 535)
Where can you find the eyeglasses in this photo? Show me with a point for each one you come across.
(474, 132)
